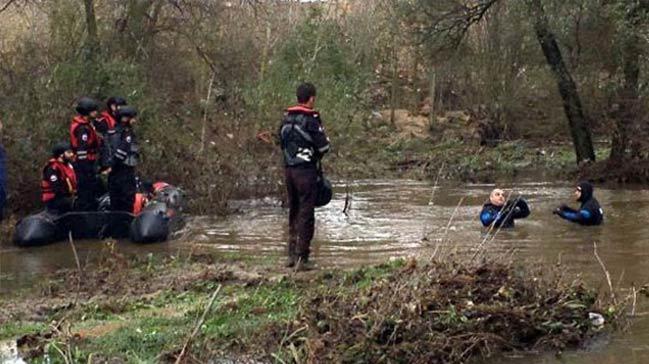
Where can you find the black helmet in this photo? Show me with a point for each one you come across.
(126, 111)
(115, 100)
(86, 105)
(60, 148)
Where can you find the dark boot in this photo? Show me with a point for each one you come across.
(303, 264)
(292, 255)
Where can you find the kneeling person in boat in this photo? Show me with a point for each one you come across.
(502, 213)
(59, 182)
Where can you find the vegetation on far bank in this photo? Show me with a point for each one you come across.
(208, 76)
(146, 309)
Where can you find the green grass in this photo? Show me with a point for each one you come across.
(17, 328)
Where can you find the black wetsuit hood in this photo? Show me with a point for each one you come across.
(586, 192)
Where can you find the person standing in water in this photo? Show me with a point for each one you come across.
(589, 213)
(502, 213)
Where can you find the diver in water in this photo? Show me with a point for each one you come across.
(502, 213)
(589, 213)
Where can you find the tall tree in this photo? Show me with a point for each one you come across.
(92, 42)
(579, 128)
(445, 23)
(635, 14)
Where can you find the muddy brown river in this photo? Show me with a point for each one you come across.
(389, 219)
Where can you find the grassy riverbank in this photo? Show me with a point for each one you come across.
(127, 309)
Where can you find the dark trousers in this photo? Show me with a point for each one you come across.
(301, 185)
(89, 187)
(121, 189)
(59, 205)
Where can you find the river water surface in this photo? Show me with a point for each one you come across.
(389, 219)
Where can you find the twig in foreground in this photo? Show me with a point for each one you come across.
(608, 276)
(76, 259)
(448, 225)
(198, 325)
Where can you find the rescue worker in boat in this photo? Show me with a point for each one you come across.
(145, 194)
(59, 181)
(501, 213)
(85, 143)
(106, 122)
(589, 213)
(120, 159)
(303, 142)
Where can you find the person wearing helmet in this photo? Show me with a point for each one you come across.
(145, 194)
(85, 143)
(107, 120)
(303, 143)
(59, 182)
(122, 156)
(589, 213)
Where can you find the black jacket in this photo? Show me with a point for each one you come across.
(302, 137)
(120, 149)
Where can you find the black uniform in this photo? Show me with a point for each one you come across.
(504, 216)
(122, 156)
(589, 213)
(303, 142)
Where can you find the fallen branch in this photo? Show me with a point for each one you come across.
(183, 352)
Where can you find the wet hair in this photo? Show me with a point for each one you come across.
(304, 92)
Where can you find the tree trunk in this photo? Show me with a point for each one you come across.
(579, 129)
(629, 97)
(394, 82)
(92, 43)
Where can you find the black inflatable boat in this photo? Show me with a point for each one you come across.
(155, 223)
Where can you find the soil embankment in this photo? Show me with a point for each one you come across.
(122, 309)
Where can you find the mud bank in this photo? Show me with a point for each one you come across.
(148, 309)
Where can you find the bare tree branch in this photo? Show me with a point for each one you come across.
(449, 21)
(6, 6)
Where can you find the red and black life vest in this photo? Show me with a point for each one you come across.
(139, 203)
(109, 119)
(159, 186)
(67, 175)
(91, 145)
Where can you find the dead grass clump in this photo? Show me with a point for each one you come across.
(439, 313)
